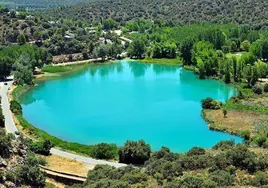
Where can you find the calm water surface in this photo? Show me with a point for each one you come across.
(127, 100)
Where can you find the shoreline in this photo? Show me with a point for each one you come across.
(65, 145)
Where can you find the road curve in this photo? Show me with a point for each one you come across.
(86, 160)
(11, 128)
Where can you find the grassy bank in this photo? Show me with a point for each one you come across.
(38, 134)
(164, 61)
(63, 69)
(18, 91)
(244, 115)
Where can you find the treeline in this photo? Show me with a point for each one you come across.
(21, 61)
(226, 165)
(38, 4)
(176, 12)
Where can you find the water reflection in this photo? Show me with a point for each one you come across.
(138, 69)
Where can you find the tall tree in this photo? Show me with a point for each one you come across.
(23, 73)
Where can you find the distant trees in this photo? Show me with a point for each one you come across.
(137, 48)
(134, 152)
(21, 39)
(23, 73)
(9, 55)
(185, 50)
(101, 51)
(109, 24)
(164, 50)
(245, 45)
(205, 58)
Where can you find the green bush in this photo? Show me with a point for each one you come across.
(30, 173)
(196, 151)
(15, 107)
(224, 144)
(105, 151)
(222, 178)
(260, 179)
(265, 87)
(134, 152)
(5, 146)
(257, 89)
(2, 118)
(209, 103)
(41, 147)
(245, 135)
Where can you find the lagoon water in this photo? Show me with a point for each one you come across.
(127, 101)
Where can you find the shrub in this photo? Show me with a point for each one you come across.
(30, 173)
(2, 118)
(134, 152)
(196, 151)
(245, 135)
(104, 151)
(265, 87)
(209, 103)
(5, 146)
(209, 184)
(260, 179)
(41, 147)
(224, 111)
(222, 178)
(257, 89)
(15, 107)
(224, 144)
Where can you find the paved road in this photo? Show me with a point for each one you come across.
(86, 160)
(11, 128)
(9, 123)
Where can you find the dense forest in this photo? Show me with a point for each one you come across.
(38, 4)
(251, 12)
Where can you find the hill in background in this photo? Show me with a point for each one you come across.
(252, 12)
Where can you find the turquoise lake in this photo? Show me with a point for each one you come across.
(127, 101)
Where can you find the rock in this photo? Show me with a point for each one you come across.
(10, 184)
(3, 162)
(2, 186)
(22, 152)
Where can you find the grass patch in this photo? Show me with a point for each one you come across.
(239, 106)
(16, 93)
(55, 69)
(176, 61)
(236, 54)
(41, 135)
(61, 69)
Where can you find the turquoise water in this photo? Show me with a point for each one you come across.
(127, 101)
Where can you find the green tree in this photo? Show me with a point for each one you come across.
(105, 151)
(23, 73)
(205, 58)
(21, 39)
(134, 152)
(137, 48)
(245, 45)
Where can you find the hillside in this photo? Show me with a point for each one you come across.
(180, 11)
(37, 4)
